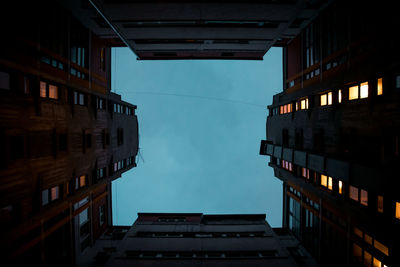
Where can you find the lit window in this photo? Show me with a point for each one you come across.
(330, 98)
(357, 252)
(305, 172)
(353, 192)
(324, 180)
(304, 104)
(281, 110)
(340, 96)
(43, 86)
(285, 109)
(368, 239)
(381, 247)
(367, 258)
(364, 197)
(380, 203)
(55, 193)
(398, 210)
(53, 91)
(364, 90)
(379, 87)
(323, 100)
(353, 92)
(377, 263)
(330, 183)
(340, 187)
(82, 181)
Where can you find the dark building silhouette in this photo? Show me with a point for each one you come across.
(196, 239)
(333, 136)
(64, 136)
(197, 29)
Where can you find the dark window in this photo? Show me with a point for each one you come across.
(102, 216)
(120, 136)
(17, 147)
(4, 80)
(62, 142)
(80, 98)
(285, 137)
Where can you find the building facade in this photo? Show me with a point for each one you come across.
(64, 136)
(204, 29)
(333, 136)
(195, 239)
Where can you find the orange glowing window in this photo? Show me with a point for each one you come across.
(353, 192)
(324, 180)
(54, 193)
(53, 91)
(353, 92)
(364, 197)
(285, 109)
(380, 203)
(340, 187)
(357, 252)
(379, 87)
(368, 239)
(381, 247)
(281, 110)
(330, 183)
(376, 263)
(367, 258)
(82, 181)
(43, 86)
(340, 96)
(398, 210)
(364, 90)
(358, 232)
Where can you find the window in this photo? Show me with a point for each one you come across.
(287, 165)
(353, 193)
(49, 195)
(4, 80)
(358, 91)
(324, 180)
(102, 217)
(53, 91)
(100, 103)
(340, 96)
(357, 252)
(102, 59)
(54, 193)
(101, 172)
(330, 183)
(79, 98)
(48, 90)
(302, 104)
(353, 92)
(120, 136)
(364, 197)
(326, 99)
(364, 90)
(286, 109)
(305, 173)
(381, 247)
(80, 181)
(45, 197)
(340, 187)
(397, 210)
(379, 87)
(380, 204)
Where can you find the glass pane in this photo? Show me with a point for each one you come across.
(45, 197)
(4, 80)
(303, 104)
(340, 187)
(82, 181)
(330, 183)
(340, 96)
(53, 91)
(364, 197)
(398, 210)
(54, 193)
(380, 203)
(353, 92)
(323, 100)
(377, 263)
(324, 180)
(364, 90)
(367, 258)
(81, 99)
(83, 217)
(379, 87)
(357, 252)
(42, 89)
(353, 194)
(381, 247)
(330, 98)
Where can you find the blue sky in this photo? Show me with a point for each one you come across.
(198, 140)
